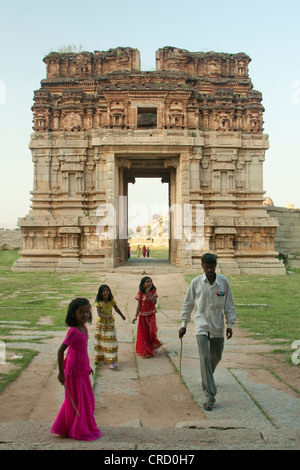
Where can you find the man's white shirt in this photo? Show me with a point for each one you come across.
(213, 303)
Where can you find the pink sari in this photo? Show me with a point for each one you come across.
(78, 383)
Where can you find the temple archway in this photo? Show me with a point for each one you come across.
(150, 168)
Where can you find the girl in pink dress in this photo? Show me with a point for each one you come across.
(74, 373)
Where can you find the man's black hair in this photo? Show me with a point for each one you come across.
(209, 258)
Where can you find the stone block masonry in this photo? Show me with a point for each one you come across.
(287, 240)
(100, 122)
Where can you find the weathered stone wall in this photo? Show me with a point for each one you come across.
(287, 240)
(10, 239)
(209, 91)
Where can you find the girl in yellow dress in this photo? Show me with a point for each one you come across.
(106, 346)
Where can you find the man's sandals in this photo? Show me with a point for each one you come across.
(208, 406)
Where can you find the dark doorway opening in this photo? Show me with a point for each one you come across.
(146, 118)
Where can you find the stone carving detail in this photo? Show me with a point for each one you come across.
(71, 122)
(197, 103)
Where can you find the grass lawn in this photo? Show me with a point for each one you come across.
(39, 294)
(161, 253)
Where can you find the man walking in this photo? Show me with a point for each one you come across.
(212, 295)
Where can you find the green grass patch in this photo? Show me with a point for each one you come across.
(160, 253)
(27, 296)
(278, 315)
(8, 257)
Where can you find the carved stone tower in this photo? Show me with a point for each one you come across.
(99, 122)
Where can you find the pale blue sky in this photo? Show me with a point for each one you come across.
(266, 30)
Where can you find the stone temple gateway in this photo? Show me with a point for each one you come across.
(100, 122)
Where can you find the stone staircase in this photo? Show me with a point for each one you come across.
(147, 266)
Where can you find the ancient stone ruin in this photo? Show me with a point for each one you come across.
(100, 122)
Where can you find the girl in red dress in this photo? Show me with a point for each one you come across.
(147, 342)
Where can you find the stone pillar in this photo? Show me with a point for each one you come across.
(109, 244)
(186, 259)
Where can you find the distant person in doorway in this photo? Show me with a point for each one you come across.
(212, 296)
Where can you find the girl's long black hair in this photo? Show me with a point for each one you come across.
(73, 307)
(141, 286)
(99, 295)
